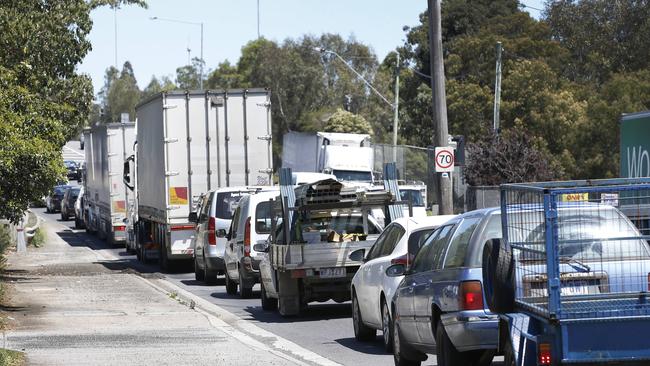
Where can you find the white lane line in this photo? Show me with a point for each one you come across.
(74, 151)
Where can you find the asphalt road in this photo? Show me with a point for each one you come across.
(325, 329)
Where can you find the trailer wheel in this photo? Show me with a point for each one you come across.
(268, 303)
(498, 277)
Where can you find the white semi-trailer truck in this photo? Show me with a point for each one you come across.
(189, 143)
(105, 195)
(348, 156)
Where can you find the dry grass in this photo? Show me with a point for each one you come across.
(11, 358)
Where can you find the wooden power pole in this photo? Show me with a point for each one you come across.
(444, 188)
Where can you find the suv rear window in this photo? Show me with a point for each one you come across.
(227, 203)
(263, 218)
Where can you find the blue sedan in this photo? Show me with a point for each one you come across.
(439, 307)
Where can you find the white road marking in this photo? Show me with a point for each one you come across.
(74, 151)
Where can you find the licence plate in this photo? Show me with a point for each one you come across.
(332, 272)
(579, 288)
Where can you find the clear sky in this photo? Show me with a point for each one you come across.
(159, 47)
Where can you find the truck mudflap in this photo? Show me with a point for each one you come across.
(180, 239)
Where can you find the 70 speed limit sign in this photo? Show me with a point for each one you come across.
(444, 157)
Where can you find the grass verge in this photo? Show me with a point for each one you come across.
(11, 358)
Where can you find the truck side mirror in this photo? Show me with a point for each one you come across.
(192, 217)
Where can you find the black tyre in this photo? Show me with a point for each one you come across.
(362, 332)
(231, 286)
(498, 277)
(199, 274)
(508, 354)
(446, 352)
(386, 327)
(268, 303)
(64, 217)
(245, 292)
(77, 223)
(210, 277)
(403, 354)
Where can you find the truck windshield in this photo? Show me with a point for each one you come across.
(227, 203)
(352, 175)
(413, 195)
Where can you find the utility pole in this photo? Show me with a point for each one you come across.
(396, 109)
(444, 187)
(497, 90)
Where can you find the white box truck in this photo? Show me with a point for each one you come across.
(348, 156)
(107, 145)
(187, 144)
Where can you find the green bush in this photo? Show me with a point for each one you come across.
(38, 239)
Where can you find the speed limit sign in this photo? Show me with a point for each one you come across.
(444, 157)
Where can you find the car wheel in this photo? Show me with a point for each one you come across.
(199, 274)
(446, 352)
(210, 277)
(386, 327)
(77, 224)
(362, 332)
(401, 351)
(268, 303)
(231, 286)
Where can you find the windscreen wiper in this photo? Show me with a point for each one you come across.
(578, 265)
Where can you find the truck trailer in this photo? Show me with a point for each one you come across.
(105, 195)
(188, 144)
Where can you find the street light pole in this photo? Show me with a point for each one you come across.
(396, 108)
(191, 23)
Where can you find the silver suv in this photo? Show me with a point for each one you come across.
(213, 220)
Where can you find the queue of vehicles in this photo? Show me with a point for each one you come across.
(430, 284)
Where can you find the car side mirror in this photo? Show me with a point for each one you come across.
(261, 247)
(221, 233)
(396, 270)
(192, 217)
(357, 255)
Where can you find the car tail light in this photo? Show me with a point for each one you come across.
(247, 237)
(471, 295)
(212, 236)
(119, 228)
(405, 259)
(544, 354)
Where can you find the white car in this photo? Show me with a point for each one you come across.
(251, 224)
(372, 289)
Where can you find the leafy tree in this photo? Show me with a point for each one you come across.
(189, 77)
(346, 122)
(512, 157)
(123, 95)
(43, 101)
(602, 36)
(225, 76)
(156, 86)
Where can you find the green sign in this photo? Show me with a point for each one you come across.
(635, 145)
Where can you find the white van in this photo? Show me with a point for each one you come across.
(251, 224)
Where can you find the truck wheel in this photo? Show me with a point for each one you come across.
(446, 352)
(231, 286)
(77, 223)
(164, 260)
(210, 277)
(199, 274)
(268, 303)
(245, 292)
(498, 277)
(362, 332)
(64, 217)
(402, 353)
